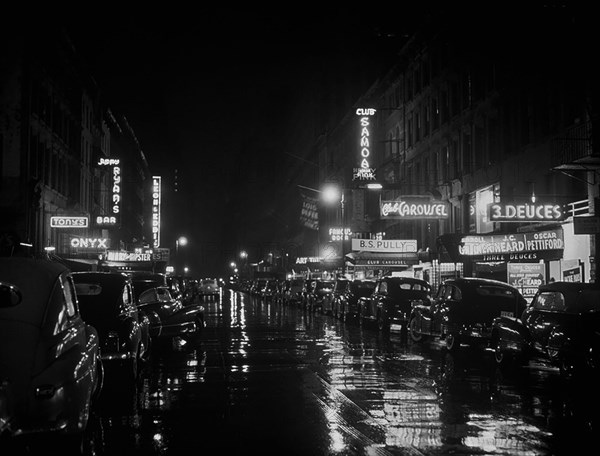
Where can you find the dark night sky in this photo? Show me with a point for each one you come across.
(209, 88)
(213, 90)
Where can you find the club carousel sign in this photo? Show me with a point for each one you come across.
(414, 208)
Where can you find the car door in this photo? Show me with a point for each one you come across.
(448, 295)
(546, 311)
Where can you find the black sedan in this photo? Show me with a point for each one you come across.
(106, 302)
(561, 326)
(345, 304)
(50, 366)
(167, 314)
(463, 310)
(391, 302)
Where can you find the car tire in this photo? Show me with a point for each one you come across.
(382, 322)
(414, 335)
(452, 342)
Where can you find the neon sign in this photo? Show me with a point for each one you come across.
(364, 172)
(89, 243)
(525, 212)
(115, 209)
(335, 234)
(156, 200)
(68, 222)
(414, 209)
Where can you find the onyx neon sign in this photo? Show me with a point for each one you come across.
(525, 212)
(364, 171)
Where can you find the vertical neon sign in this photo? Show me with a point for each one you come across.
(156, 197)
(115, 165)
(365, 171)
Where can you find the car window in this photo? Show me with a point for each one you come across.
(163, 294)
(405, 286)
(88, 289)
(70, 295)
(383, 287)
(127, 295)
(549, 301)
(493, 291)
(147, 296)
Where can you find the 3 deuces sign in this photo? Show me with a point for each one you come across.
(540, 245)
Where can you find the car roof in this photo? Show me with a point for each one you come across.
(36, 279)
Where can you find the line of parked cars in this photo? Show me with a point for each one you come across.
(63, 333)
(560, 326)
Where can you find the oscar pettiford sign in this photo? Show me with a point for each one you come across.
(525, 212)
(514, 247)
(414, 208)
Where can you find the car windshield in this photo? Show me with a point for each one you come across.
(362, 288)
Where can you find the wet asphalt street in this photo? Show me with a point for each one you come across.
(272, 379)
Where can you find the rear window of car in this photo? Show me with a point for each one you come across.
(494, 291)
(550, 301)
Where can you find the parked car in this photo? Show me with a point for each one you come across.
(269, 290)
(168, 316)
(257, 286)
(208, 287)
(293, 294)
(340, 284)
(463, 310)
(316, 294)
(106, 302)
(345, 304)
(390, 303)
(560, 326)
(307, 287)
(50, 366)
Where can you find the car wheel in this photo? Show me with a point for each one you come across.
(415, 336)
(452, 341)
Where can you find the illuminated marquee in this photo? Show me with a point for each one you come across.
(115, 209)
(387, 245)
(68, 222)
(416, 208)
(525, 212)
(114, 255)
(516, 246)
(156, 200)
(364, 172)
(306, 260)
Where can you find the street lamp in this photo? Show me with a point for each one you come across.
(332, 194)
(180, 241)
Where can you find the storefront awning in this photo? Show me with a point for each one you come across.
(382, 259)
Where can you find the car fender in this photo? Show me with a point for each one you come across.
(511, 334)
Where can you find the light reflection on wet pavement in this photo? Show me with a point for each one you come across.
(273, 379)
